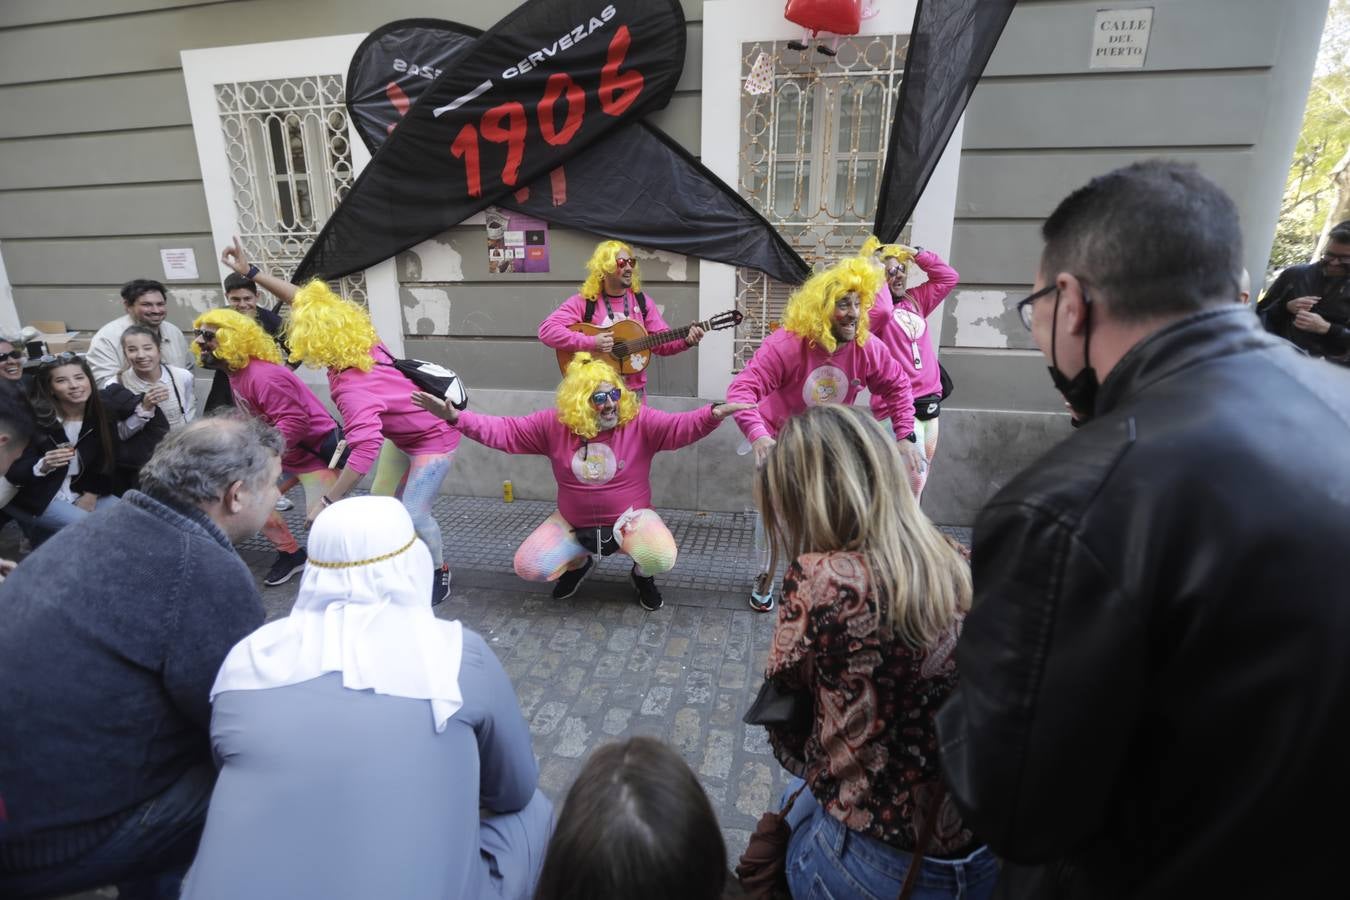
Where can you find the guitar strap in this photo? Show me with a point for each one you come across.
(641, 302)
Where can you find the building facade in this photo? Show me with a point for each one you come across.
(131, 127)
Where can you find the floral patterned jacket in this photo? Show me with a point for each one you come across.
(870, 756)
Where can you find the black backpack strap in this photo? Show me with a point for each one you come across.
(590, 311)
(642, 306)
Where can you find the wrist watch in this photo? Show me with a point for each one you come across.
(911, 437)
(252, 272)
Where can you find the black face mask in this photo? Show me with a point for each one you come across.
(1080, 392)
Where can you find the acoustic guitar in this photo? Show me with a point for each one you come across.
(633, 345)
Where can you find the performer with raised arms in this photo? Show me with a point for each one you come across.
(600, 440)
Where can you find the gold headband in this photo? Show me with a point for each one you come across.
(364, 562)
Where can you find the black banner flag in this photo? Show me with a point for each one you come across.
(637, 184)
(948, 50)
(542, 84)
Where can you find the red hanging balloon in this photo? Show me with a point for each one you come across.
(834, 16)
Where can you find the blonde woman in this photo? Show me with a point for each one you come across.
(871, 608)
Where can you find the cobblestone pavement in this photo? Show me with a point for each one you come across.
(597, 667)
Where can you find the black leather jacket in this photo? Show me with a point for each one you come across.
(1334, 306)
(1155, 676)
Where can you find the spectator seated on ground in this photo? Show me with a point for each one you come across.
(149, 399)
(114, 630)
(16, 430)
(69, 465)
(361, 736)
(146, 304)
(636, 823)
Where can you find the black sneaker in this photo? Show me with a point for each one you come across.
(568, 583)
(649, 598)
(440, 583)
(287, 565)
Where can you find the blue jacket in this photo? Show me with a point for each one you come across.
(113, 632)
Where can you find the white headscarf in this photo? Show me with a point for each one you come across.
(364, 609)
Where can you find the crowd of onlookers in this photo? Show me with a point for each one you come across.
(1134, 688)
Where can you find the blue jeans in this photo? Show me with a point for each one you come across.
(146, 856)
(58, 514)
(827, 861)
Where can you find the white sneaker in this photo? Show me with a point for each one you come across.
(284, 505)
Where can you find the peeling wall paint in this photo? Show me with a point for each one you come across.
(430, 311)
(199, 300)
(677, 265)
(981, 318)
(434, 259)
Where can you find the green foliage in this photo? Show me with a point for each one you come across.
(1312, 193)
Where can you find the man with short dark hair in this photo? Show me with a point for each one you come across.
(146, 305)
(114, 630)
(241, 293)
(1156, 667)
(1309, 305)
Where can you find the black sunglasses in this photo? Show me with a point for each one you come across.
(13, 354)
(599, 397)
(1024, 305)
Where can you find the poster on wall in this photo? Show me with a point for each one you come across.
(637, 185)
(517, 243)
(540, 86)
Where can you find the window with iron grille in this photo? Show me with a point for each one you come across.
(812, 151)
(290, 166)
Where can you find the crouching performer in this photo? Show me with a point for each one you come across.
(600, 440)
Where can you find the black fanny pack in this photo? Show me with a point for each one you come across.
(328, 448)
(598, 540)
(927, 407)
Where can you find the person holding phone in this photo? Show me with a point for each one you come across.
(67, 470)
(1309, 305)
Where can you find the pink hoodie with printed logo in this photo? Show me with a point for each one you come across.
(902, 325)
(600, 478)
(787, 374)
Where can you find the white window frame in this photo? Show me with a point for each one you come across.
(727, 24)
(204, 69)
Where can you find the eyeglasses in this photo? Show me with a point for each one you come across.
(1341, 259)
(599, 397)
(59, 359)
(204, 334)
(893, 271)
(13, 354)
(1024, 305)
(624, 263)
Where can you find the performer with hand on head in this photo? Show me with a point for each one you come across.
(600, 440)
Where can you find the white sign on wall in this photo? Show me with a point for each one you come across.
(179, 265)
(1120, 38)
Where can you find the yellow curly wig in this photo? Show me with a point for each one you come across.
(239, 339)
(874, 247)
(811, 307)
(326, 330)
(601, 264)
(584, 376)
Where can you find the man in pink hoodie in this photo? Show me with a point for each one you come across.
(612, 292)
(899, 319)
(600, 440)
(232, 343)
(822, 354)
